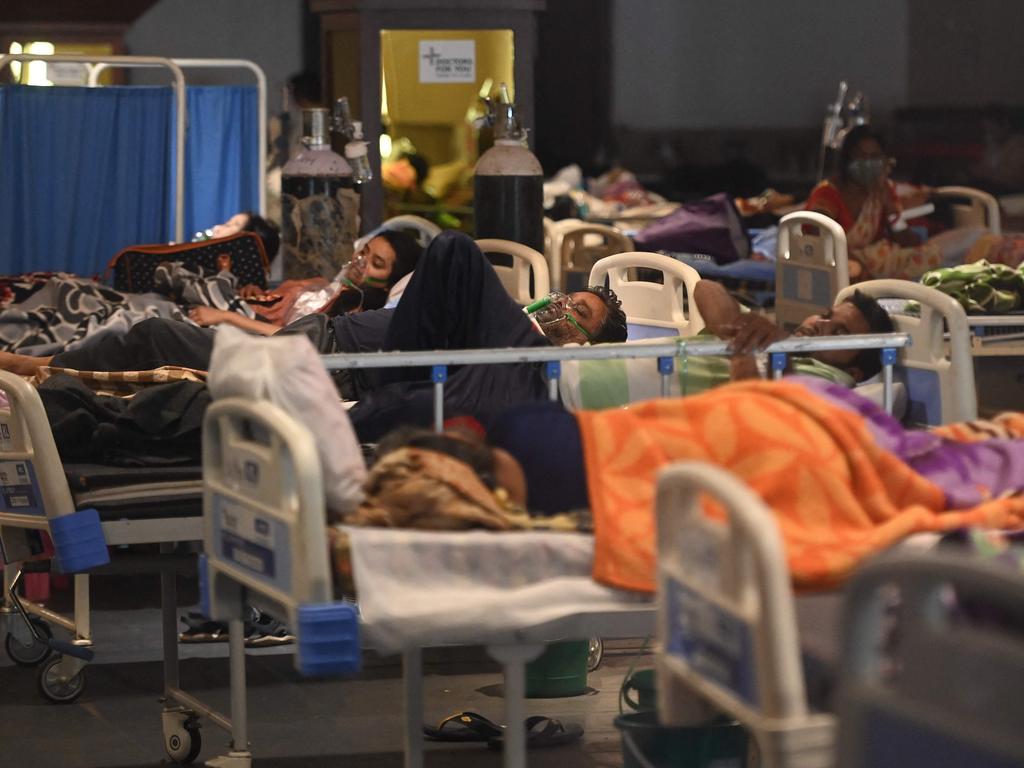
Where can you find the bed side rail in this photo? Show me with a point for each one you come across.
(726, 618)
(263, 532)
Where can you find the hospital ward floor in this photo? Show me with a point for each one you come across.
(298, 723)
(292, 722)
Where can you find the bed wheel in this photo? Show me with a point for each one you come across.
(33, 652)
(183, 742)
(55, 687)
(595, 652)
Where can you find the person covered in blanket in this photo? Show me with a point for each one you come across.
(381, 261)
(862, 198)
(843, 479)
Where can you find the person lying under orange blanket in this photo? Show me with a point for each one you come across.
(844, 479)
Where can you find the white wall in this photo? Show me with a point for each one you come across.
(268, 32)
(746, 63)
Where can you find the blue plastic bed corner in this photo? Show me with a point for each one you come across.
(328, 637)
(79, 542)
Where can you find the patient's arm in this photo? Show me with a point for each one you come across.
(745, 331)
(212, 316)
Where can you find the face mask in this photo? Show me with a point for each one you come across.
(867, 171)
(554, 309)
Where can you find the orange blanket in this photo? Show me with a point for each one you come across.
(836, 495)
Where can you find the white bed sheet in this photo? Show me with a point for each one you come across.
(421, 589)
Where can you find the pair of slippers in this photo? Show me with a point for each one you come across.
(541, 731)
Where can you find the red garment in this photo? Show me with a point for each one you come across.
(826, 197)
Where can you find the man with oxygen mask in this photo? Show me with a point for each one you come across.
(568, 319)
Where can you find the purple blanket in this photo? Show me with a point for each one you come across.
(968, 473)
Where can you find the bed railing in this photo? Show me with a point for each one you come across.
(665, 354)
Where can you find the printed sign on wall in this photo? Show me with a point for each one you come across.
(447, 61)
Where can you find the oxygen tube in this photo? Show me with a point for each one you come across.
(537, 305)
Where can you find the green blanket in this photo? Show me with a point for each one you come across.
(981, 288)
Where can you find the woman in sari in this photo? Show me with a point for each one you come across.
(862, 198)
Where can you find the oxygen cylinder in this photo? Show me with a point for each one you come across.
(319, 205)
(508, 183)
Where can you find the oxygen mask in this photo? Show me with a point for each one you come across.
(555, 309)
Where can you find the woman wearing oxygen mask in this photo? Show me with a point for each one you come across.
(862, 198)
(384, 258)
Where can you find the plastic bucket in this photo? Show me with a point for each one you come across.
(560, 671)
(648, 744)
(642, 682)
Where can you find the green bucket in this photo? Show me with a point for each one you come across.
(561, 670)
(646, 742)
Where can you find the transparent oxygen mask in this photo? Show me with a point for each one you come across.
(556, 307)
(353, 274)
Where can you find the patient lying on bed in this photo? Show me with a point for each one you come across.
(364, 283)
(844, 479)
(456, 301)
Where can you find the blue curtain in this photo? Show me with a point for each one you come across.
(83, 173)
(221, 155)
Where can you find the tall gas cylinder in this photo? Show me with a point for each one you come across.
(508, 183)
(319, 205)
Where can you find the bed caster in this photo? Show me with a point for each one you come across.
(55, 683)
(595, 652)
(182, 739)
(28, 649)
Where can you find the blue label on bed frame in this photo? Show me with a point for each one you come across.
(19, 489)
(252, 540)
(714, 642)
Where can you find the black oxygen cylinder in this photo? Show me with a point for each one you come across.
(319, 206)
(508, 185)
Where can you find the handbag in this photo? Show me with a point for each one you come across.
(242, 254)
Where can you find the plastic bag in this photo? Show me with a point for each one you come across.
(288, 372)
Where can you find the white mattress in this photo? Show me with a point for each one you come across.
(420, 589)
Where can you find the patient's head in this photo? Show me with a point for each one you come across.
(856, 315)
(250, 221)
(593, 315)
(494, 466)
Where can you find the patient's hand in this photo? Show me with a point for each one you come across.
(250, 291)
(751, 332)
(209, 315)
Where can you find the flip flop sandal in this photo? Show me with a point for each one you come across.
(464, 726)
(543, 732)
(202, 630)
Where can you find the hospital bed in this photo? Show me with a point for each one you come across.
(264, 516)
(729, 642)
(84, 509)
(812, 265)
(933, 378)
